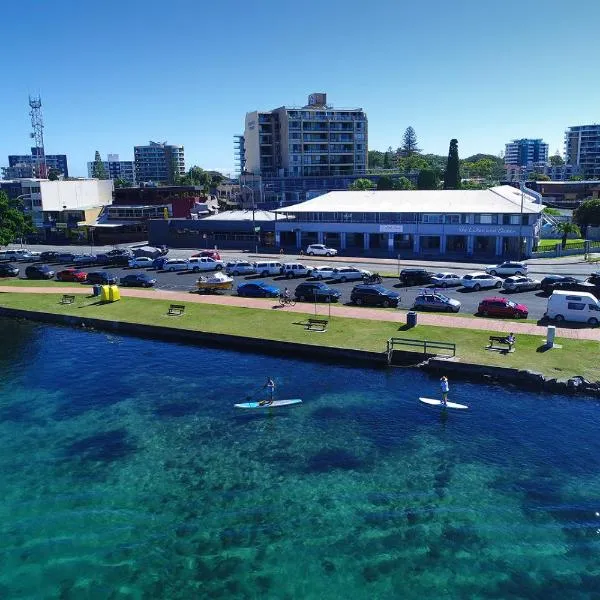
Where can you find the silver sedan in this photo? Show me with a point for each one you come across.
(519, 283)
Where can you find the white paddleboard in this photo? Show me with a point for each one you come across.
(271, 405)
(449, 404)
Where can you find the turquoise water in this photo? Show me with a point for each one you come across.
(126, 473)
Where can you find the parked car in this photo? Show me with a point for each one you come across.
(209, 253)
(121, 252)
(507, 268)
(85, 260)
(594, 278)
(569, 306)
(267, 268)
(71, 274)
(320, 250)
(502, 307)
(239, 267)
(576, 286)
(445, 280)
(519, 283)
(39, 272)
(415, 276)
(204, 263)
(138, 280)
(478, 281)
(8, 270)
(258, 289)
(140, 262)
(176, 264)
(159, 263)
(13, 254)
(316, 290)
(291, 270)
(29, 256)
(103, 259)
(49, 256)
(349, 274)
(65, 257)
(101, 278)
(441, 302)
(323, 272)
(549, 281)
(374, 295)
(120, 260)
(148, 251)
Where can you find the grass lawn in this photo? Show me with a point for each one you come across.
(551, 244)
(577, 357)
(39, 283)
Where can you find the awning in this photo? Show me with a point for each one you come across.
(113, 224)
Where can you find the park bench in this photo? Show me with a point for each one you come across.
(67, 299)
(317, 324)
(176, 309)
(501, 339)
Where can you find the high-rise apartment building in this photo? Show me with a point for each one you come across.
(582, 148)
(116, 169)
(158, 162)
(315, 140)
(526, 152)
(23, 165)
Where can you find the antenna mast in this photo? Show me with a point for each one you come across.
(37, 124)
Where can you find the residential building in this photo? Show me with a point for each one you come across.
(22, 165)
(566, 194)
(582, 148)
(158, 163)
(61, 210)
(500, 222)
(116, 169)
(555, 172)
(526, 152)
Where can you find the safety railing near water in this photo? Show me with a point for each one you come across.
(426, 346)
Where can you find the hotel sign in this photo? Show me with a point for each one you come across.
(479, 230)
(391, 228)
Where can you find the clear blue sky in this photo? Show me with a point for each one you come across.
(117, 74)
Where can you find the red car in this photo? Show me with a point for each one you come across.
(502, 307)
(210, 253)
(71, 275)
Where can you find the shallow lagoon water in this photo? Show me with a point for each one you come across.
(127, 473)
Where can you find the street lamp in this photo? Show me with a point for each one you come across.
(243, 185)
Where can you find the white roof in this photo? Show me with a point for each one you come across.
(244, 215)
(499, 199)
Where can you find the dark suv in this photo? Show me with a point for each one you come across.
(415, 276)
(39, 272)
(374, 295)
(316, 290)
(8, 270)
(550, 281)
(101, 277)
(49, 256)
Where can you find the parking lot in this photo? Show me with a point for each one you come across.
(185, 281)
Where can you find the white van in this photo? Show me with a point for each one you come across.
(268, 268)
(573, 306)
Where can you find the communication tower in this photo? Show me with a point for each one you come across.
(37, 124)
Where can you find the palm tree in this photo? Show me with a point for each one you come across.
(565, 229)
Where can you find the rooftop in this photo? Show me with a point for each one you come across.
(500, 199)
(244, 215)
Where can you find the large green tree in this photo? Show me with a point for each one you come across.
(361, 184)
(428, 180)
(557, 160)
(385, 183)
(53, 174)
(566, 229)
(410, 144)
(588, 213)
(13, 222)
(403, 183)
(98, 170)
(452, 173)
(375, 158)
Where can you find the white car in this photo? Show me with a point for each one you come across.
(320, 250)
(240, 268)
(324, 272)
(507, 268)
(204, 263)
(479, 280)
(140, 262)
(444, 280)
(175, 264)
(519, 283)
(290, 270)
(349, 274)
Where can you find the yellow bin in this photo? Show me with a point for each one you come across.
(113, 293)
(105, 293)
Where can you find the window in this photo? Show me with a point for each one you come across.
(514, 219)
(452, 219)
(576, 305)
(484, 219)
(432, 218)
(593, 307)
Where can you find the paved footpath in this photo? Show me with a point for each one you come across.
(398, 316)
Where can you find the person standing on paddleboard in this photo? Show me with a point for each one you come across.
(270, 387)
(445, 387)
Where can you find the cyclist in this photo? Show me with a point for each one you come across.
(286, 294)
